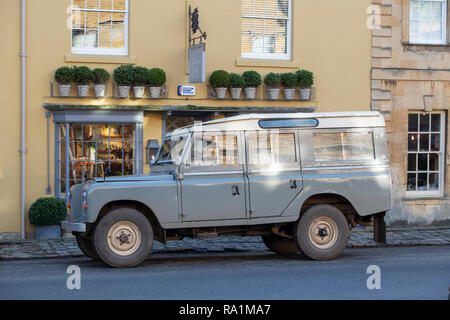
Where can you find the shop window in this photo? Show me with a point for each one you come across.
(425, 163)
(88, 150)
(100, 27)
(266, 29)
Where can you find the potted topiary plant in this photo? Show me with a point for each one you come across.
(123, 76)
(272, 81)
(64, 77)
(289, 81)
(220, 81)
(252, 80)
(82, 76)
(305, 81)
(46, 214)
(140, 79)
(236, 84)
(100, 78)
(156, 79)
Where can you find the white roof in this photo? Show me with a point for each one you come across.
(357, 119)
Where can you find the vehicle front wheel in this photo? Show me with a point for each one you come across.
(280, 245)
(87, 247)
(123, 238)
(322, 232)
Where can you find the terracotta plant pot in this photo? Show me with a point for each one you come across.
(155, 92)
(305, 93)
(139, 91)
(100, 90)
(236, 93)
(220, 93)
(83, 90)
(64, 90)
(124, 91)
(289, 93)
(273, 93)
(250, 93)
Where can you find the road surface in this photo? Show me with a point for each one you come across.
(405, 273)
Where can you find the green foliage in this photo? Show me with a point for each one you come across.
(272, 79)
(100, 75)
(289, 80)
(64, 75)
(305, 78)
(156, 77)
(140, 76)
(219, 79)
(252, 78)
(82, 75)
(47, 212)
(236, 80)
(123, 75)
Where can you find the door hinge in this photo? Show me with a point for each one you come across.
(250, 212)
(182, 214)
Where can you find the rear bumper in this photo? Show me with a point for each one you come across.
(71, 226)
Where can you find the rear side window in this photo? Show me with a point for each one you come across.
(214, 150)
(343, 146)
(266, 147)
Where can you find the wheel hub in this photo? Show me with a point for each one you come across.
(124, 238)
(323, 232)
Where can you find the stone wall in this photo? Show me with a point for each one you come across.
(405, 78)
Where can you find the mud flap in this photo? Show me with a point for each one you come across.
(379, 228)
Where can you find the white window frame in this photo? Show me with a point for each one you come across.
(442, 159)
(272, 56)
(103, 51)
(443, 40)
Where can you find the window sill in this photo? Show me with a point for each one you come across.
(427, 46)
(245, 62)
(424, 197)
(81, 58)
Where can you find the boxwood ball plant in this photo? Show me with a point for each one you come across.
(289, 80)
(123, 75)
(64, 75)
(82, 74)
(236, 81)
(156, 77)
(47, 212)
(100, 75)
(219, 79)
(272, 79)
(305, 78)
(252, 79)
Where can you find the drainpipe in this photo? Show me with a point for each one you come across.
(23, 148)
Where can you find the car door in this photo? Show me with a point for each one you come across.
(273, 171)
(212, 187)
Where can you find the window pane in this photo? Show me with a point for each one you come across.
(424, 142)
(271, 8)
(258, 8)
(103, 132)
(118, 38)
(116, 150)
(412, 142)
(128, 132)
(422, 181)
(91, 4)
(435, 122)
(102, 151)
(424, 122)
(422, 162)
(119, 5)
(106, 4)
(77, 38)
(247, 7)
(91, 39)
(283, 8)
(414, 10)
(75, 132)
(357, 145)
(116, 168)
(213, 150)
(88, 132)
(271, 147)
(78, 19)
(413, 122)
(328, 146)
(434, 181)
(105, 20)
(128, 167)
(435, 142)
(412, 166)
(411, 183)
(426, 12)
(92, 20)
(434, 162)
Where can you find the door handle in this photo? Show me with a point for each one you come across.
(235, 190)
(293, 184)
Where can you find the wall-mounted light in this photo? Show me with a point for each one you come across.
(152, 149)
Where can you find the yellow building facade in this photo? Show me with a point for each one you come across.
(329, 38)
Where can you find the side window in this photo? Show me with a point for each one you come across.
(269, 147)
(343, 146)
(214, 150)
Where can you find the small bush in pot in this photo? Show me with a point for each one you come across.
(101, 76)
(236, 84)
(220, 81)
(156, 79)
(305, 80)
(64, 77)
(46, 214)
(252, 80)
(140, 79)
(272, 81)
(289, 81)
(123, 76)
(82, 76)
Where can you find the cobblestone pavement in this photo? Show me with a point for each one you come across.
(29, 249)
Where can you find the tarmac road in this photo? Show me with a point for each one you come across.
(421, 272)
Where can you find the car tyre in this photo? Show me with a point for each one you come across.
(87, 247)
(322, 232)
(123, 238)
(280, 245)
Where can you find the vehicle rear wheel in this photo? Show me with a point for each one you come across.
(87, 247)
(322, 232)
(123, 238)
(280, 245)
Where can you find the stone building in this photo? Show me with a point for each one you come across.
(411, 87)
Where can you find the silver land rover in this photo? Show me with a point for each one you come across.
(300, 181)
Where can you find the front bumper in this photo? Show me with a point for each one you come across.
(71, 226)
